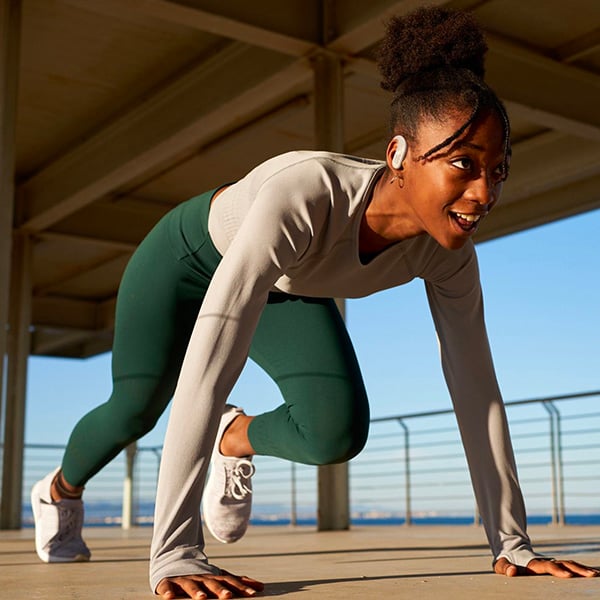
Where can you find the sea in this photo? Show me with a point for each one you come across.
(108, 514)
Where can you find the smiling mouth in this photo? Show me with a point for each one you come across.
(465, 221)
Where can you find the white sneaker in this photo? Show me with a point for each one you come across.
(57, 525)
(227, 500)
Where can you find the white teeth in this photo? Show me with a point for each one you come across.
(469, 218)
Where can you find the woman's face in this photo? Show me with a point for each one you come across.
(449, 193)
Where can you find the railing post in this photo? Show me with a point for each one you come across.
(127, 517)
(407, 490)
(293, 504)
(550, 410)
(560, 487)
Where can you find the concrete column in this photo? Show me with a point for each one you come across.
(328, 101)
(10, 15)
(16, 381)
(333, 486)
(127, 514)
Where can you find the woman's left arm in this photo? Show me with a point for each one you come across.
(271, 238)
(456, 305)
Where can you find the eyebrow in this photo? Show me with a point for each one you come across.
(464, 143)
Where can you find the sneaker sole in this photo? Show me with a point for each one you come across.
(77, 558)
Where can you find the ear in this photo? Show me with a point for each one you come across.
(396, 151)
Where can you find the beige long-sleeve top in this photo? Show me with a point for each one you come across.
(292, 224)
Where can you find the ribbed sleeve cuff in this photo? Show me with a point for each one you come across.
(179, 562)
(520, 556)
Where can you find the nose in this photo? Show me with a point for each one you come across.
(483, 190)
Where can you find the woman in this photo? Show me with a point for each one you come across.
(250, 270)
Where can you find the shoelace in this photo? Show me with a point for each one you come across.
(70, 523)
(237, 476)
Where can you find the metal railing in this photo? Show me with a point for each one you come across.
(412, 470)
(551, 445)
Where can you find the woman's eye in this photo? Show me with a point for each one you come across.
(462, 163)
(500, 172)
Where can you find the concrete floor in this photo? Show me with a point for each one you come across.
(373, 562)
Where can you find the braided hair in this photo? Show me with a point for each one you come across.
(432, 60)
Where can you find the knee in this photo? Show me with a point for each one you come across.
(337, 445)
(336, 428)
(138, 425)
(133, 411)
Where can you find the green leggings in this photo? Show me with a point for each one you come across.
(300, 342)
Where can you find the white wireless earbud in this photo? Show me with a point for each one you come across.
(400, 153)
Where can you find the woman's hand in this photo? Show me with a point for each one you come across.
(537, 566)
(199, 587)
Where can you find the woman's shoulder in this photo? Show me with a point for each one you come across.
(311, 175)
(308, 159)
(301, 161)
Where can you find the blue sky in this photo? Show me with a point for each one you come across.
(542, 293)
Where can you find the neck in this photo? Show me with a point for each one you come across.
(385, 220)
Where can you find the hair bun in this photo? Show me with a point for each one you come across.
(428, 39)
